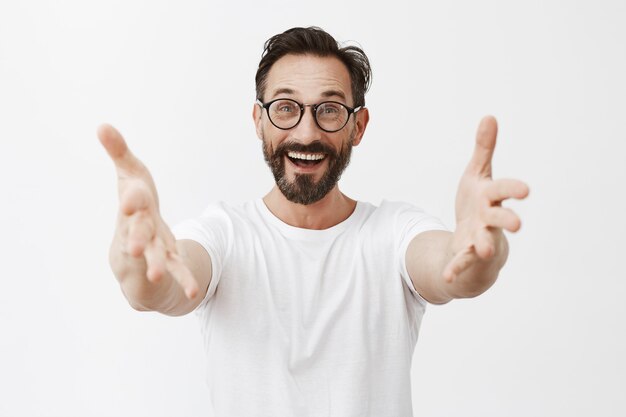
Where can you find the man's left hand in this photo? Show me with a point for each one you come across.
(480, 217)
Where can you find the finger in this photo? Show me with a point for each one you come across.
(485, 145)
(140, 232)
(117, 149)
(459, 263)
(501, 217)
(502, 189)
(485, 243)
(175, 264)
(155, 254)
(136, 198)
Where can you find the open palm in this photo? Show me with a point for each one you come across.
(480, 216)
(141, 232)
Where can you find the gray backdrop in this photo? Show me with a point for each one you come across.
(177, 79)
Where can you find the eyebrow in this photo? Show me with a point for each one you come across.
(333, 93)
(325, 94)
(283, 91)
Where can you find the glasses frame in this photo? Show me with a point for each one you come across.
(266, 106)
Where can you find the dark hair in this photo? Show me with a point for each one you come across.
(315, 41)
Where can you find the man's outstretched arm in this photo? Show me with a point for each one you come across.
(444, 265)
(155, 272)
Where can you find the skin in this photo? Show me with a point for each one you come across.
(158, 273)
(309, 80)
(155, 272)
(463, 264)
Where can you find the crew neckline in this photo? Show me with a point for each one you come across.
(308, 234)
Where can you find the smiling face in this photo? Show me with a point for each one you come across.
(305, 160)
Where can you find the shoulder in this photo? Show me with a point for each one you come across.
(396, 212)
(218, 219)
(402, 219)
(231, 212)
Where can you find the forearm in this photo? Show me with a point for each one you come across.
(427, 257)
(479, 276)
(143, 295)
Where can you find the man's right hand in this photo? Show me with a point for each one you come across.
(143, 254)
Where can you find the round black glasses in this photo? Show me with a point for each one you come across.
(330, 116)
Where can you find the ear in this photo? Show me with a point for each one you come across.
(257, 113)
(362, 119)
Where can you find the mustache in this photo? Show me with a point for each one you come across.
(313, 147)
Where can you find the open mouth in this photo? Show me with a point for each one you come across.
(304, 159)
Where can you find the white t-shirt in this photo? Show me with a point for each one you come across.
(309, 323)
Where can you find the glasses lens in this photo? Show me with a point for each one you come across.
(284, 113)
(331, 116)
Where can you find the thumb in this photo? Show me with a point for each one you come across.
(117, 149)
(485, 146)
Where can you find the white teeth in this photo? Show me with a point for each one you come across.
(306, 156)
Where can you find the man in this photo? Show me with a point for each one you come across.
(310, 302)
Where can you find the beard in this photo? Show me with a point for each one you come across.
(303, 189)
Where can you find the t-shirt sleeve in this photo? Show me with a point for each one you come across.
(213, 231)
(410, 222)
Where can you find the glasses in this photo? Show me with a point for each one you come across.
(330, 116)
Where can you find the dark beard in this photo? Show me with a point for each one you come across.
(303, 190)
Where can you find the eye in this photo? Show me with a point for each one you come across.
(330, 110)
(285, 107)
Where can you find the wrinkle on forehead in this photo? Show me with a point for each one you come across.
(309, 78)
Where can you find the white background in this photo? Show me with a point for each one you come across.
(177, 78)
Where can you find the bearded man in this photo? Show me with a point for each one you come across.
(309, 302)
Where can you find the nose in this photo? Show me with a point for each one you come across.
(307, 130)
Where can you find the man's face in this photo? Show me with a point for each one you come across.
(306, 161)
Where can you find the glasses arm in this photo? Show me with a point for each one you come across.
(354, 110)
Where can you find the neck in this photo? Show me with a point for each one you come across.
(331, 210)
